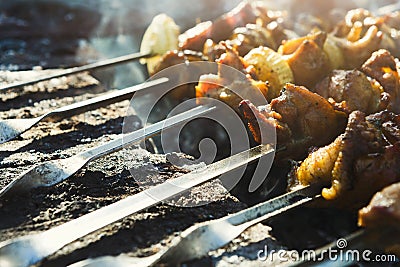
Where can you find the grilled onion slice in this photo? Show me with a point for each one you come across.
(270, 67)
(161, 36)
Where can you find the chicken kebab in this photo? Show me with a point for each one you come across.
(332, 95)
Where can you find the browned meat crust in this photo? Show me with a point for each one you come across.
(222, 86)
(382, 218)
(307, 58)
(350, 90)
(222, 28)
(356, 165)
(333, 164)
(388, 123)
(246, 38)
(301, 119)
(352, 165)
(381, 66)
(383, 210)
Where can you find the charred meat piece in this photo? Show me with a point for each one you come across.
(381, 66)
(301, 118)
(334, 164)
(358, 35)
(244, 39)
(376, 171)
(376, 88)
(388, 123)
(383, 210)
(172, 58)
(176, 57)
(222, 28)
(254, 35)
(356, 51)
(382, 218)
(359, 21)
(350, 90)
(356, 165)
(228, 85)
(307, 58)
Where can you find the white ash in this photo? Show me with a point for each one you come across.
(79, 80)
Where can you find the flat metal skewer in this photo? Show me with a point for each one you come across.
(384, 10)
(204, 237)
(74, 70)
(353, 241)
(55, 171)
(352, 249)
(30, 249)
(12, 128)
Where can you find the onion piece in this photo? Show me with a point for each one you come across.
(270, 66)
(161, 36)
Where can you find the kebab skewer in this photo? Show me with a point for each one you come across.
(316, 85)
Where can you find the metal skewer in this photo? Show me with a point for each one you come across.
(353, 241)
(352, 249)
(55, 171)
(12, 128)
(27, 250)
(201, 238)
(384, 10)
(74, 70)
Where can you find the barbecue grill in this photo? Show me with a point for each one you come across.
(82, 182)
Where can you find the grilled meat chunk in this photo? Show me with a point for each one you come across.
(172, 58)
(301, 119)
(222, 28)
(227, 91)
(383, 210)
(374, 88)
(227, 85)
(176, 57)
(307, 58)
(381, 66)
(359, 21)
(254, 35)
(382, 218)
(376, 171)
(388, 123)
(350, 90)
(333, 164)
(248, 37)
(356, 165)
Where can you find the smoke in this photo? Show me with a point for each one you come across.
(123, 23)
(48, 32)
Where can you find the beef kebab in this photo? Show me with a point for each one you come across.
(332, 95)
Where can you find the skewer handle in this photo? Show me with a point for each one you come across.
(74, 70)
